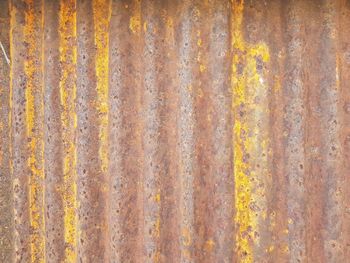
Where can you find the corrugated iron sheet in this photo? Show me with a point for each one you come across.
(175, 131)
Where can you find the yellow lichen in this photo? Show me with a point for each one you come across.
(34, 115)
(186, 237)
(68, 57)
(102, 13)
(209, 245)
(248, 138)
(135, 20)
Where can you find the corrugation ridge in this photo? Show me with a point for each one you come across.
(68, 119)
(219, 65)
(6, 203)
(186, 132)
(34, 126)
(101, 14)
(294, 94)
(152, 100)
(258, 88)
(203, 132)
(250, 134)
(52, 133)
(119, 30)
(330, 88)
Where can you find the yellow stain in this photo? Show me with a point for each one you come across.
(135, 20)
(186, 237)
(34, 120)
(199, 42)
(67, 85)
(270, 249)
(157, 197)
(157, 227)
(209, 245)
(277, 83)
(102, 13)
(248, 140)
(285, 249)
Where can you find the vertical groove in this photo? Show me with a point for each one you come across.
(168, 84)
(277, 199)
(218, 61)
(125, 197)
(203, 239)
(18, 131)
(316, 161)
(67, 93)
(54, 208)
(343, 62)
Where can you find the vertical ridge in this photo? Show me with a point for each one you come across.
(101, 16)
(250, 137)
(68, 119)
(331, 128)
(186, 131)
(294, 93)
(153, 97)
(54, 213)
(34, 116)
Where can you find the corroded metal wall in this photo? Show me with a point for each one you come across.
(175, 131)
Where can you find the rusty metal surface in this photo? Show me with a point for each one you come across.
(175, 131)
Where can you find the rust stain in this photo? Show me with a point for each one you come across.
(174, 131)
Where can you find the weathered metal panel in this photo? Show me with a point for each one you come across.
(174, 131)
